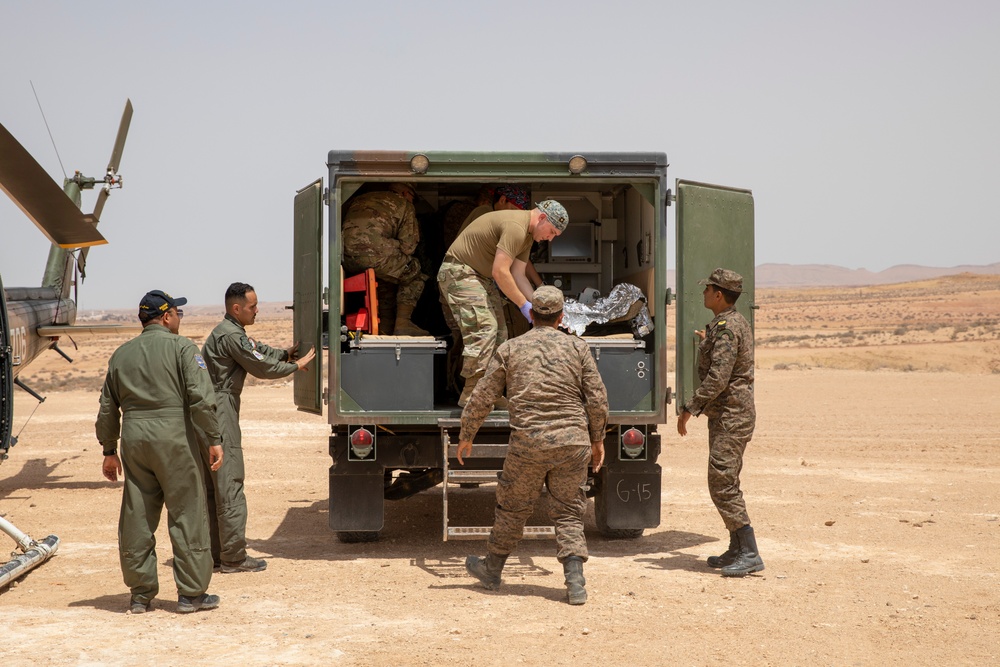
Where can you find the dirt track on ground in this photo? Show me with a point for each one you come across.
(875, 495)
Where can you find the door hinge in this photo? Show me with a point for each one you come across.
(670, 296)
(326, 296)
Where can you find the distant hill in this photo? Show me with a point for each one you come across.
(826, 275)
(829, 275)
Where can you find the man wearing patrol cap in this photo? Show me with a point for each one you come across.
(558, 413)
(494, 248)
(725, 395)
(380, 231)
(158, 398)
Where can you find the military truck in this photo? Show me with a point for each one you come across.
(395, 421)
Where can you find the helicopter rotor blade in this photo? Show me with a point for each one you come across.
(44, 202)
(111, 178)
(112, 174)
(116, 154)
(102, 197)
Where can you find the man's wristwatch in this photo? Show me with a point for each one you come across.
(111, 453)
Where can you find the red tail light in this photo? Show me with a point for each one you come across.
(633, 438)
(362, 438)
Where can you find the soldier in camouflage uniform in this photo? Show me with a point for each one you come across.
(230, 354)
(725, 395)
(495, 247)
(380, 231)
(158, 398)
(558, 414)
(502, 198)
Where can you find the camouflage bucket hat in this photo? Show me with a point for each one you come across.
(547, 300)
(515, 194)
(726, 279)
(556, 213)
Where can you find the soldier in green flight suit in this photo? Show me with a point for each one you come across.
(230, 354)
(158, 398)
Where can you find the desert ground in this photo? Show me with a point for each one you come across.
(873, 482)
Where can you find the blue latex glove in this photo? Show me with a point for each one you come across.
(526, 310)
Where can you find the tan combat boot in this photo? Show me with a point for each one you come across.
(404, 327)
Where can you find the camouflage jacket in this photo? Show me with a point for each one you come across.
(725, 368)
(379, 218)
(555, 392)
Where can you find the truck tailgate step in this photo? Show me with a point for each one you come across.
(479, 532)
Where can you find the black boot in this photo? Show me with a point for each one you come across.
(748, 559)
(573, 569)
(729, 557)
(486, 570)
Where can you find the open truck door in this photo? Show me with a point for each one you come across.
(715, 227)
(307, 303)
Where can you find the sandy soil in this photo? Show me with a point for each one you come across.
(874, 487)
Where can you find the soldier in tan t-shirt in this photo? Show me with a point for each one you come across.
(495, 247)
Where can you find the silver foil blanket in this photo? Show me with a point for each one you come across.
(626, 302)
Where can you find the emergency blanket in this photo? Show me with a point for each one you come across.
(625, 303)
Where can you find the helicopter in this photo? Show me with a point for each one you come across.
(33, 319)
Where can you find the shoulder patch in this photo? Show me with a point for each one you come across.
(247, 343)
(721, 324)
(727, 333)
(257, 355)
(200, 360)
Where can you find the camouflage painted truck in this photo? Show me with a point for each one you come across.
(394, 418)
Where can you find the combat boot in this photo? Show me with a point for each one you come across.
(187, 604)
(404, 326)
(729, 557)
(487, 570)
(470, 384)
(573, 569)
(747, 559)
(248, 564)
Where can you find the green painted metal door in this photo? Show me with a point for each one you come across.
(714, 228)
(307, 301)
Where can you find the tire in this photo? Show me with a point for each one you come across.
(357, 536)
(622, 533)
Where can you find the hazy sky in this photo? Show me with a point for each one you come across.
(868, 131)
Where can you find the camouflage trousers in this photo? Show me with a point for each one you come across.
(391, 266)
(564, 472)
(725, 461)
(478, 310)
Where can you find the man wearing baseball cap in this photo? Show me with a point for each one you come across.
(558, 412)
(493, 249)
(158, 399)
(725, 395)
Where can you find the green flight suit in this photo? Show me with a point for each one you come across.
(158, 397)
(230, 355)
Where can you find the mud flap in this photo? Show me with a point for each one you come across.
(356, 501)
(628, 497)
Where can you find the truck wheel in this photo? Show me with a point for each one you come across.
(357, 536)
(622, 533)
